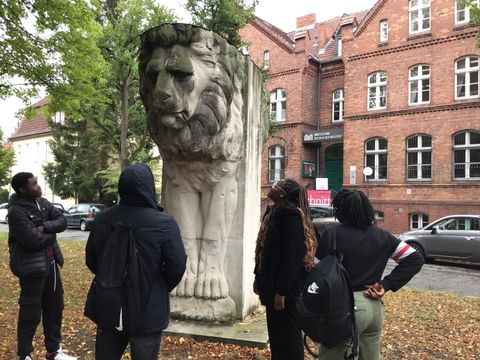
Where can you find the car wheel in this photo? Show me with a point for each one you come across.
(419, 249)
(83, 225)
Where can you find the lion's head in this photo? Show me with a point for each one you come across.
(191, 86)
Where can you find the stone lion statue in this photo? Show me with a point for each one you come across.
(191, 83)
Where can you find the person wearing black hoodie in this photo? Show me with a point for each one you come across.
(285, 251)
(35, 258)
(161, 248)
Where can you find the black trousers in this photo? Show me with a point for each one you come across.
(40, 298)
(284, 333)
(112, 345)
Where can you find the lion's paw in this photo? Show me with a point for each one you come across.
(211, 285)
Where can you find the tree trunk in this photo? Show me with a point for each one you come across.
(124, 125)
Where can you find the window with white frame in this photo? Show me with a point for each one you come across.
(337, 106)
(462, 11)
(466, 155)
(383, 30)
(377, 90)
(378, 215)
(467, 71)
(278, 105)
(376, 158)
(266, 59)
(59, 117)
(339, 47)
(419, 11)
(419, 157)
(276, 163)
(418, 221)
(419, 85)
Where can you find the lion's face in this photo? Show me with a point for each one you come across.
(188, 94)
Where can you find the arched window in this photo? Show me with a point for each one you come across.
(278, 105)
(419, 11)
(276, 163)
(419, 157)
(462, 12)
(466, 155)
(419, 85)
(337, 106)
(467, 71)
(418, 221)
(377, 90)
(376, 158)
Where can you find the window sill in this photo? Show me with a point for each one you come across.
(382, 43)
(419, 104)
(467, 98)
(462, 26)
(377, 109)
(375, 182)
(337, 122)
(419, 181)
(421, 35)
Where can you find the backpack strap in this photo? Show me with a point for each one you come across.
(354, 352)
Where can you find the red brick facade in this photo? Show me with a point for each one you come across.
(295, 67)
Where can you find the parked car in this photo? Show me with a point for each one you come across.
(4, 213)
(82, 215)
(60, 207)
(322, 214)
(453, 237)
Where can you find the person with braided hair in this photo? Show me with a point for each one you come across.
(285, 252)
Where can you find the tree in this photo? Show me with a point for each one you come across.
(7, 159)
(474, 17)
(225, 17)
(47, 44)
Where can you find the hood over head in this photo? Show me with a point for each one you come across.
(136, 187)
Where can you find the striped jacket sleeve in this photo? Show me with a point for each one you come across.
(409, 262)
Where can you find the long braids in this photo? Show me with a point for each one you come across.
(296, 195)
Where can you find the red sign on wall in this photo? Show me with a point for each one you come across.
(318, 197)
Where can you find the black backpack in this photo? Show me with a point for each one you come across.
(326, 305)
(120, 291)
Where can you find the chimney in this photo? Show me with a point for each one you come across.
(306, 21)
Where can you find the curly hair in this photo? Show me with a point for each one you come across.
(296, 195)
(353, 209)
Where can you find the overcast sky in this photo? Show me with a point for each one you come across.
(281, 13)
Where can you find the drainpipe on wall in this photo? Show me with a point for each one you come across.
(318, 116)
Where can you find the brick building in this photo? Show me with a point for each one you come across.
(393, 89)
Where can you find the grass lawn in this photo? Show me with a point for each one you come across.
(419, 325)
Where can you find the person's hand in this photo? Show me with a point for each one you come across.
(374, 291)
(40, 229)
(255, 289)
(279, 302)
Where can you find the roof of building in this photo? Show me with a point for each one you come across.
(38, 126)
(320, 34)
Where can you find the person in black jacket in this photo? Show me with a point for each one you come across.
(366, 249)
(284, 252)
(161, 249)
(35, 258)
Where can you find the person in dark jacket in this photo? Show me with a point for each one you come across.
(35, 258)
(284, 252)
(366, 249)
(161, 249)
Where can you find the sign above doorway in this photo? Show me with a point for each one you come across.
(316, 137)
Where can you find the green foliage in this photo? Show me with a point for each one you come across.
(4, 195)
(7, 159)
(48, 43)
(225, 17)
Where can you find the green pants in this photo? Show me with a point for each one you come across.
(369, 317)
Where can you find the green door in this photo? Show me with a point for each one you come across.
(334, 166)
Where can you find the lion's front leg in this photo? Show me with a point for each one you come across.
(218, 208)
(184, 205)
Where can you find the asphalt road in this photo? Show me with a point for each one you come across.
(459, 279)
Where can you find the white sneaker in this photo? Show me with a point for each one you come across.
(62, 356)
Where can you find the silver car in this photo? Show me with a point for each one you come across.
(453, 237)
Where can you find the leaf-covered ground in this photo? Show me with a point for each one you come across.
(419, 325)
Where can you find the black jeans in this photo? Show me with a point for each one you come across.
(112, 345)
(284, 333)
(40, 298)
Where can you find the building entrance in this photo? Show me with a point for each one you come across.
(334, 166)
